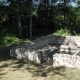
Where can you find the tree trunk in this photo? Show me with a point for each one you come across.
(14, 24)
(19, 25)
(31, 19)
(19, 20)
(64, 13)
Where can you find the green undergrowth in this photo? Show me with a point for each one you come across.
(8, 39)
(64, 32)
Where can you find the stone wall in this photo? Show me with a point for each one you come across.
(32, 50)
(66, 60)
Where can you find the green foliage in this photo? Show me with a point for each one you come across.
(8, 39)
(64, 32)
(46, 18)
(78, 1)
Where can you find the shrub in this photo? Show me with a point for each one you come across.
(64, 32)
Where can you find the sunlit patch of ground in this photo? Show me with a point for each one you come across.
(23, 70)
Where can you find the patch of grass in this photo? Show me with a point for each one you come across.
(64, 32)
(8, 38)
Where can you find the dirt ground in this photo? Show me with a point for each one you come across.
(23, 70)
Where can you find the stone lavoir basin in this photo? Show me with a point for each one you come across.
(52, 50)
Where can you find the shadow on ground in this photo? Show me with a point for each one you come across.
(35, 70)
(5, 50)
(46, 71)
(38, 69)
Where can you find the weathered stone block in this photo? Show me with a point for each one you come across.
(66, 60)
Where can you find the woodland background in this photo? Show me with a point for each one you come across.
(30, 18)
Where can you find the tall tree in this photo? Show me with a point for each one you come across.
(31, 19)
(64, 12)
(15, 12)
(19, 19)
